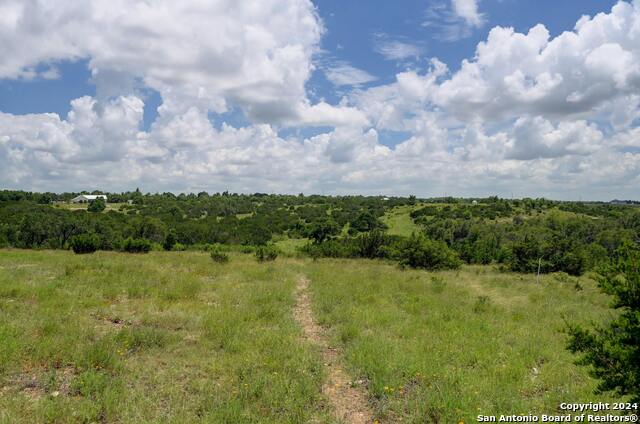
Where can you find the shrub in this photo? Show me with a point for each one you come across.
(219, 256)
(247, 249)
(331, 249)
(215, 247)
(169, 241)
(612, 351)
(97, 206)
(85, 243)
(266, 253)
(178, 247)
(370, 245)
(322, 231)
(136, 245)
(420, 252)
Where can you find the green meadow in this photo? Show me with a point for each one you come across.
(172, 337)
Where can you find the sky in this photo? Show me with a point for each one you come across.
(447, 97)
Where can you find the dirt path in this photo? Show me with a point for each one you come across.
(349, 400)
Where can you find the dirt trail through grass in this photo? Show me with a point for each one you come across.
(348, 398)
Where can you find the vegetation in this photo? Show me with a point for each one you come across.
(613, 350)
(442, 347)
(217, 255)
(163, 337)
(266, 253)
(136, 245)
(177, 337)
(85, 243)
(520, 235)
(97, 205)
(419, 252)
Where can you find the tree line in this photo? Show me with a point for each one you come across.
(523, 235)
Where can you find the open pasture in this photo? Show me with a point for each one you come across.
(175, 337)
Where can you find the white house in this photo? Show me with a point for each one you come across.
(86, 198)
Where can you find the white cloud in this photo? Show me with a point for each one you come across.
(454, 21)
(323, 114)
(570, 75)
(468, 10)
(341, 73)
(538, 138)
(253, 54)
(395, 49)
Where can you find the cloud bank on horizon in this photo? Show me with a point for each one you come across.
(528, 113)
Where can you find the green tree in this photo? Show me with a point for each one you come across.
(613, 351)
(421, 252)
(97, 206)
(322, 231)
(364, 222)
(169, 241)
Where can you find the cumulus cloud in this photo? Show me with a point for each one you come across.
(589, 73)
(570, 75)
(253, 54)
(538, 138)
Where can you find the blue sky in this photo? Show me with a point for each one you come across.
(370, 93)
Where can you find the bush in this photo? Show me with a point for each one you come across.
(178, 247)
(266, 253)
(215, 247)
(136, 245)
(420, 252)
(169, 241)
(97, 206)
(247, 249)
(342, 248)
(612, 351)
(322, 231)
(85, 243)
(376, 244)
(219, 256)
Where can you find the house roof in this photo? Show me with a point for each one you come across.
(91, 196)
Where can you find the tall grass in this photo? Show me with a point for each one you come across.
(177, 337)
(444, 347)
(164, 337)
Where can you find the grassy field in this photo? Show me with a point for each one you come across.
(164, 337)
(399, 221)
(444, 347)
(174, 337)
(83, 206)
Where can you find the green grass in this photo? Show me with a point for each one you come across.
(84, 206)
(289, 246)
(444, 347)
(173, 337)
(399, 221)
(164, 337)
